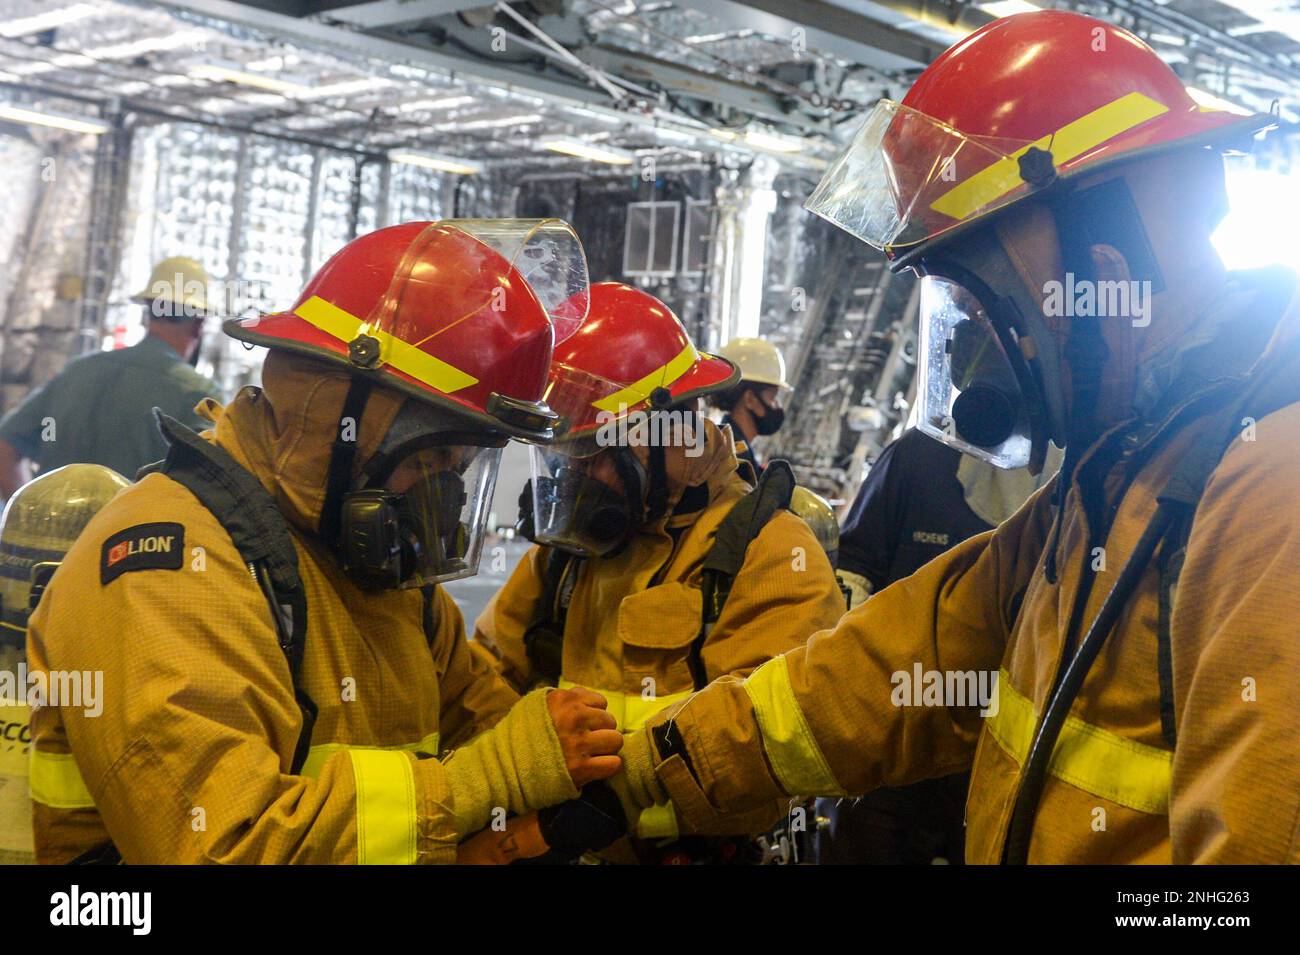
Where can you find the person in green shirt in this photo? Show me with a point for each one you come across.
(98, 409)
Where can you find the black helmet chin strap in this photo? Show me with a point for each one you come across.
(343, 457)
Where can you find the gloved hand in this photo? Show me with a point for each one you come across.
(590, 822)
(637, 786)
(549, 743)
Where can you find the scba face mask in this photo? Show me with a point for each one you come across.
(587, 506)
(421, 517)
(969, 395)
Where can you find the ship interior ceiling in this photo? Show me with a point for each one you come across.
(680, 138)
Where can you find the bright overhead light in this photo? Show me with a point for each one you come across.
(440, 102)
(62, 61)
(153, 44)
(725, 135)
(345, 88)
(1209, 101)
(461, 167)
(221, 73)
(771, 143)
(32, 118)
(572, 146)
(1006, 8)
(46, 21)
(497, 123)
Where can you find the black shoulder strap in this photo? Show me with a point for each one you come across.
(544, 638)
(261, 535)
(744, 522)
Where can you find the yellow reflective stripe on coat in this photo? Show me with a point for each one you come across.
(55, 781)
(797, 760)
(403, 356)
(1074, 138)
(631, 710)
(657, 822)
(386, 810)
(1088, 757)
(640, 390)
(317, 755)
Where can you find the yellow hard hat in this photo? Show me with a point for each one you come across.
(177, 280)
(759, 361)
(40, 523)
(818, 515)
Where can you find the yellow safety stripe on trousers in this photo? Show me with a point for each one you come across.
(640, 390)
(55, 781)
(386, 810)
(1088, 757)
(403, 356)
(797, 760)
(1072, 139)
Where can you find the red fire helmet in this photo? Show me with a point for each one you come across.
(629, 347)
(459, 313)
(1085, 93)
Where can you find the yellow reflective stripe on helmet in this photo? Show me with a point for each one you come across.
(1088, 757)
(55, 781)
(317, 755)
(797, 760)
(630, 710)
(1072, 139)
(405, 357)
(640, 390)
(386, 813)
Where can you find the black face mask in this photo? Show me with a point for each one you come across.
(600, 520)
(990, 405)
(387, 537)
(770, 421)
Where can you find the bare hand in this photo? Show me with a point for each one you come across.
(522, 839)
(588, 734)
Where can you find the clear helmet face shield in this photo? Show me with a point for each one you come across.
(968, 395)
(586, 492)
(906, 177)
(441, 494)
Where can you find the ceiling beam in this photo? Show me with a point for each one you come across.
(827, 29)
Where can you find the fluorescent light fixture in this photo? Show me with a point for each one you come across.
(61, 61)
(221, 73)
(46, 21)
(461, 167)
(1208, 100)
(572, 146)
(776, 144)
(345, 88)
(29, 117)
(1168, 39)
(498, 123)
(1005, 8)
(725, 135)
(439, 102)
(153, 44)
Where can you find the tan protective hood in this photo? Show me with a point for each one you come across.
(713, 466)
(284, 432)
